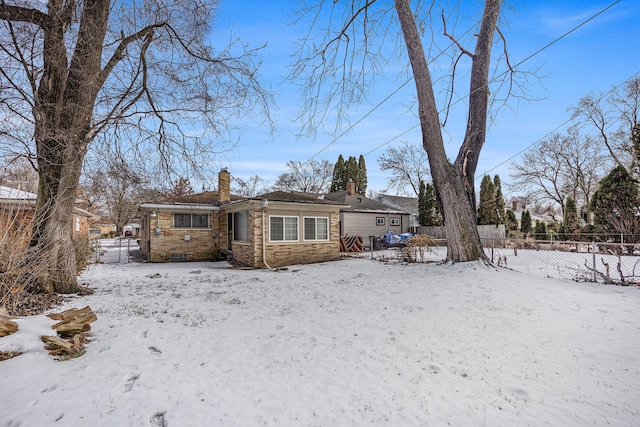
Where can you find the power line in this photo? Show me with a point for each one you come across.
(378, 105)
(637, 73)
(361, 119)
(537, 52)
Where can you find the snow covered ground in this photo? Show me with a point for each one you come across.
(347, 343)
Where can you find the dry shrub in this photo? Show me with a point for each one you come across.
(17, 293)
(16, 225)
(84, 251)
(418, 246)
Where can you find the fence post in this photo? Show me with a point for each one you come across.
(371, 245)
(493, 244)
(593, 251)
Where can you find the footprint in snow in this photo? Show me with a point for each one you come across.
(157, 420)
(130, 382)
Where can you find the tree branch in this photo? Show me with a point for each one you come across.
(454, 40)
(24, 14)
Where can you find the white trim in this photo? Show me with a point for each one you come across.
(185, 207)
(304, 238)
(297, 218)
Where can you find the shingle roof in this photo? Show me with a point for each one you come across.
(409, 204)
(358, 202)
(283, 196)
(204, 198)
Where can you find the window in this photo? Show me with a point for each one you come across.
(380, 220)
(240, 226)
(394, 221)
(77, 223)
(283, 228)
(181, 220)
(316, 228)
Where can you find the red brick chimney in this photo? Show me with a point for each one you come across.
(224, 186)
(351, 188)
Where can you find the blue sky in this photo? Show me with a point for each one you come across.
(596, 57)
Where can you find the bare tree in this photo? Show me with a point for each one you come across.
(181, 187)
(349, 54)
(251, 187)
(20, 174)
(312, 176)
(610, 119)
(409, 166)
(140, 74)
(560, 166)
(119, 189)
(585, 165)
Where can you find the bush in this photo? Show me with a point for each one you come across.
(417, 246)
(84, 251)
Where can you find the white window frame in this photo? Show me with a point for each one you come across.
(284, 228)
(394, 221)
(380, 220)
(191, 220)
(315, 228)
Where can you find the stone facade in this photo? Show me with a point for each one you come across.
(279, 254)
(162, 242)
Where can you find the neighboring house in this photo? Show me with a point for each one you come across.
(366, 217)
(17, 209)
(271, 230)
(407, 204)
(102, 228)
(518, 211)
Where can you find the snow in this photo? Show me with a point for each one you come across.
(346, 343)
(12, 193)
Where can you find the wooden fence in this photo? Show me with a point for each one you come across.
(496, 232)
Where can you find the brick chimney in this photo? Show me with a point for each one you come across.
(351, 188)
(224, 186)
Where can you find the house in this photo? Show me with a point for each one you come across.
(17, 209)
(407, 204)
(367, 217)
(547, 218)
(271, 230)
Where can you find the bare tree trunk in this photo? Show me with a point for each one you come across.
(454, 183)
(60, 56)
(63, 112)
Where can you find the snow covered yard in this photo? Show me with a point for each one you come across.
(347, 343)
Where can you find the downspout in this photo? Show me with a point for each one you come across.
(265, 203)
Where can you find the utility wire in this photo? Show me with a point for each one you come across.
(610, 91)
(537, 52)
(379, 104)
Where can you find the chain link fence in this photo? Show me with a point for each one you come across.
(119, 250)
(605, 259)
